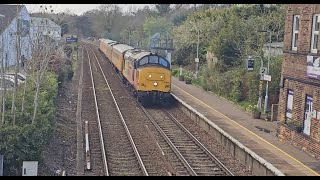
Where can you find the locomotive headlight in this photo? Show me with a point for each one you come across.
(161, 77)
(155, 84)
(150, 76)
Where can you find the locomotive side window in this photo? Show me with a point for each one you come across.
(153, 59)
(163, 62)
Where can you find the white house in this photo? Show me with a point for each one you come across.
(14, 25)
(44, 28)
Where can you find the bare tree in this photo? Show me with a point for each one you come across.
(40, 63)
(4, 68)
(42, 49)
(18, 46)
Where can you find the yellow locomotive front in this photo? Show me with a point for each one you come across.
(153, 80)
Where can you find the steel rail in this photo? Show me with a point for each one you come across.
(122, 119)
(103, 152)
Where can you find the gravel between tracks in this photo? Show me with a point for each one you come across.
(234, 165)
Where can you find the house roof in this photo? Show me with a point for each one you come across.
(10, 12)
(40, 21)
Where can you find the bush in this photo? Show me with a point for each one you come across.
(188, 75)
(67, 50)
(25, 141)
(66, 72)
(253, 108)
(175, 72)
(70, 73)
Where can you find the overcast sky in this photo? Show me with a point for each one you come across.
(77, 8)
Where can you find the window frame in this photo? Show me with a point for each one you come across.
(287, 103)
(138, 64)
(163, 60)
(314, 32)
(294, 32)
(151, 57)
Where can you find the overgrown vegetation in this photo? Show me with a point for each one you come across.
(25, 140)
(237, 84)
(69, 66)
(28, 110)
(228, 36)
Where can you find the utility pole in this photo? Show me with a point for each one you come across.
(168, 52)
(268, 71)
(260, 85)
(197, 59)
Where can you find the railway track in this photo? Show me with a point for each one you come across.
(153, 160)
(89, 114)
(188, 156)
(196, 159)
(115, 147)
(150, 153)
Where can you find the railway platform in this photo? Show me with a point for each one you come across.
(256, 134)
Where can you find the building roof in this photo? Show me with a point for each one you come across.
(10, 12)
(40, 21)
(274, 45)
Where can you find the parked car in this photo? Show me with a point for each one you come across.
(8, 83)
(21, 78)
(12, 77)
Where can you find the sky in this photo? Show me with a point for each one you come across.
(77, 8)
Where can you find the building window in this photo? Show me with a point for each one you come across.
(295, 32)
(315, 33)
(289, 104)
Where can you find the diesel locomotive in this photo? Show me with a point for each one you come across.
(147, 75)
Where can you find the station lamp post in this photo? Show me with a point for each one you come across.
(259, 98)
(197, 59)
(266, 97)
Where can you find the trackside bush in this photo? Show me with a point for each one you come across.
(25, 141)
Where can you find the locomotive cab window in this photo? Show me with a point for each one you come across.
(153, 59)
(143, 61)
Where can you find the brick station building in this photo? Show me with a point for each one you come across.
(299, 101)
